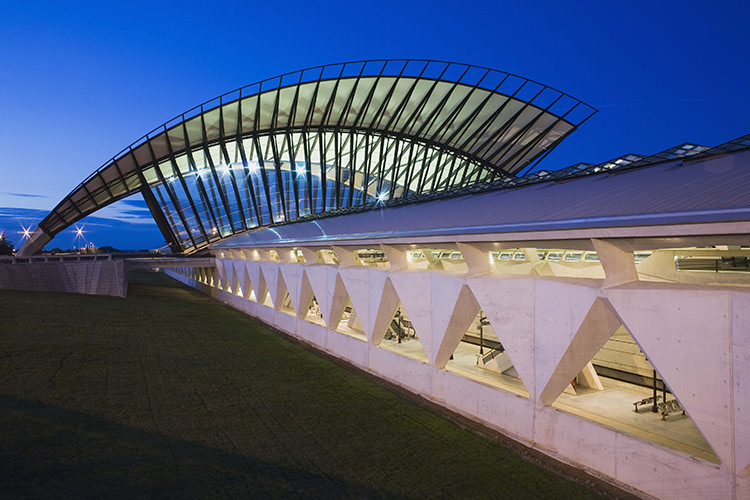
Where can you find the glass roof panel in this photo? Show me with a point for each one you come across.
(229, 116)
(396, 115)
(454, 100)
(323, 98)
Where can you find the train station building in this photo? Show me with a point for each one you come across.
(390, 214)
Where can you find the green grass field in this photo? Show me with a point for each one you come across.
(170, 394)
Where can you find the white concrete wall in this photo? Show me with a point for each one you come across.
(697, 337)
(94, 277)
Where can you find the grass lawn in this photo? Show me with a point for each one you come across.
(170, 394)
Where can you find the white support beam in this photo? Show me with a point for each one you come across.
(396, 257)
(346, 256)
(618, 263)
(476, 259)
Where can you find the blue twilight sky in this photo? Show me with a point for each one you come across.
(80, 81)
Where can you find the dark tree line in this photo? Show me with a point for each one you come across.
(6, 246)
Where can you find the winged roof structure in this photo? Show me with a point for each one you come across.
(325, 139)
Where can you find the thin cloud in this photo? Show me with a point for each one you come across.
(134, 203)
(24, 195)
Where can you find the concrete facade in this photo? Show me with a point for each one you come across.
(89, 274)
(551, 319)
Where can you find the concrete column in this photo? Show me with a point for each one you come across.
(396, 257)
(433, 261)
(618, 264)
(477, 260)
(292, 275)
(285, 254)
(346, 256)
(310, 254)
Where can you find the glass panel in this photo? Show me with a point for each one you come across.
(212, 124)
(433, 102)
(343, 92)
(267, 103)
(94, 183)
(396, 100)
(285, 104)
(381, 91)
(358, 101)
(248, 113)
(142, 154)
(304, 98)
(325, 89)
(461, 122)
(194, 131)
(417, 95)
(150, 175)
(109, 174)
(159, 146)
(118, 188)
(176, 138)
(480, 145)
(132, 181)
(229, 112)
(439, 125)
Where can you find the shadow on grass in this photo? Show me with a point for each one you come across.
(106, 459)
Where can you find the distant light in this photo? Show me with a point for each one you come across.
(301, 171)
(253, 166)
(382, 196)
(224, 169)
(26, 232)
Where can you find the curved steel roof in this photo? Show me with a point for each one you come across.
(324, 139)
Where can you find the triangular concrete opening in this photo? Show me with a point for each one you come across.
(311, 310)
(257, 280)
(605, 376)
(235, 287)
(348, 321)
(217, 274)
(400, 335)
(248, 292)
(367, 292)
(314, 314)
(268, 286)
(286, 303)
(225, 277)
(267, 300)
(480, 355)
(315, 281)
